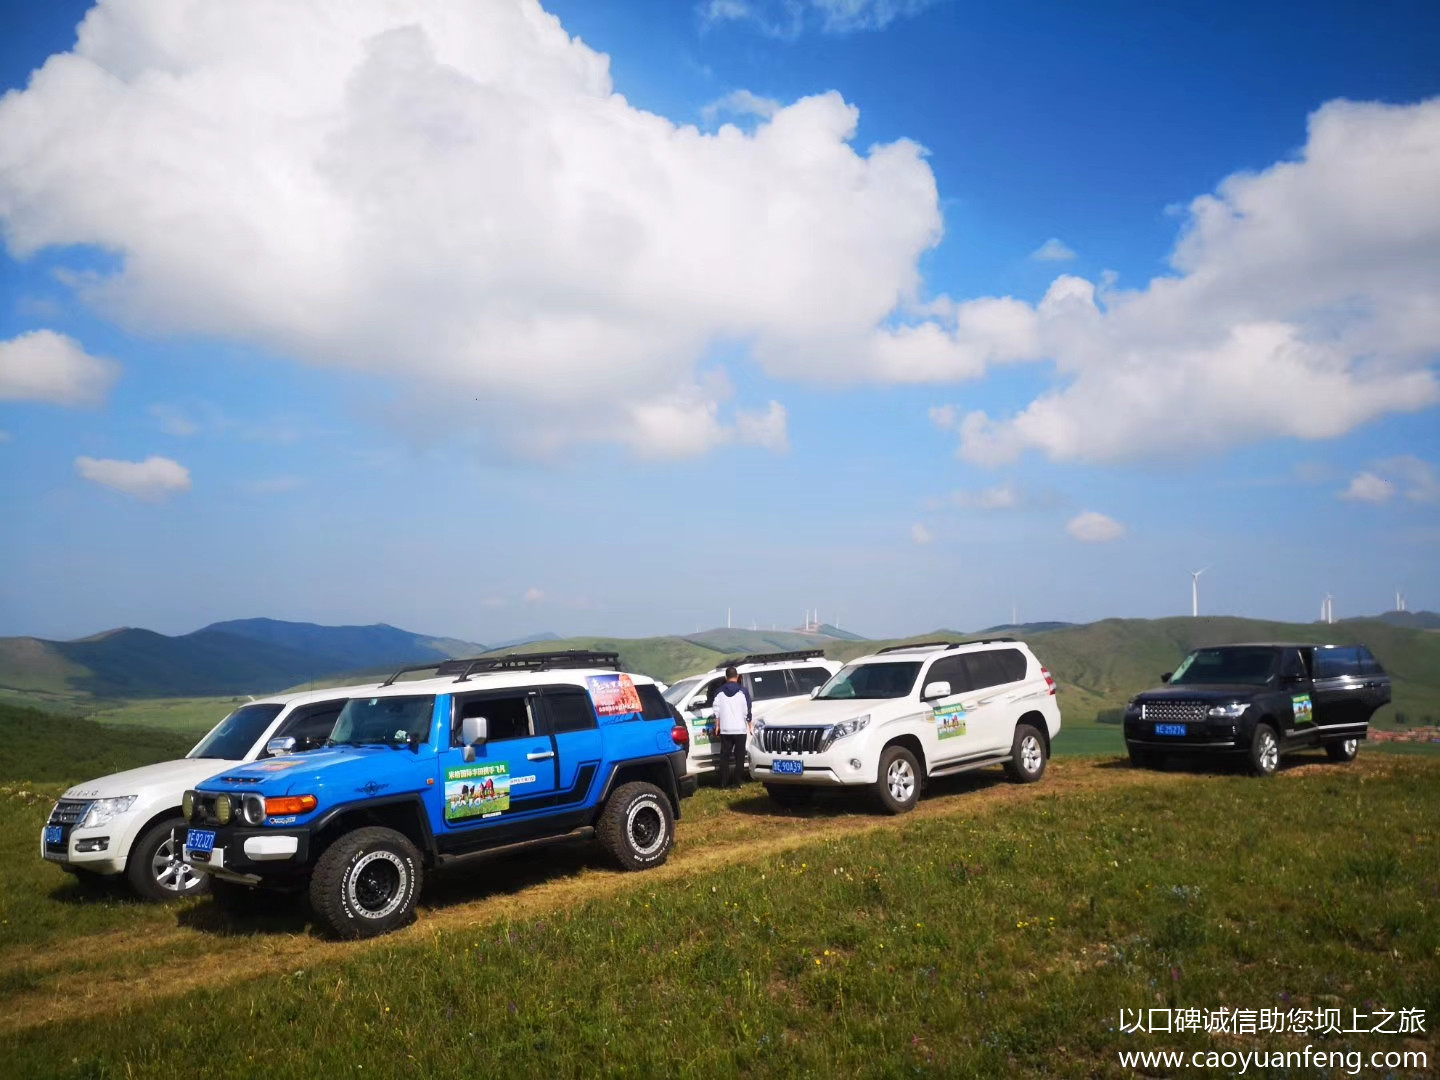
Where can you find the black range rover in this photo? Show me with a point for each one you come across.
(1262, 700)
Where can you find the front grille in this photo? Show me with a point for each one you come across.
(69, 812)
(793, 740)
(1175, 712)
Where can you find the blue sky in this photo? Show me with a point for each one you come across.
(420, 325)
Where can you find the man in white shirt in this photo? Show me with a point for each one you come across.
(732, 725)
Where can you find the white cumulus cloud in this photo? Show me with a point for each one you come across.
(1053, 250)
(533, 595)
(453, 193)
(790, 18)
(42, 365)
(153, 479)
(1000, 497)
(922, 533)
(1367, 487)
(1094, 528)
(1302, 304)
(1411, 477)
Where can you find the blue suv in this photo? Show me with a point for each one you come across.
(490, 755)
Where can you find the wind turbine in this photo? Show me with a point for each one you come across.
(1195, 591)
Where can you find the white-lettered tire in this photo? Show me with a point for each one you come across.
(155, 869)
(1264, 751)
(898, 786)
(1027, 755)
(637, 826)
(366, 883)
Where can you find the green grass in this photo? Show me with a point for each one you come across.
(991, 944)
(192, 717)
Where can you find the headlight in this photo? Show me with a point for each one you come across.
(103, 811)
(1134, 709)
(223, 809)
(1229, 711)
(253, 809)
(849, 727)
(187, 805)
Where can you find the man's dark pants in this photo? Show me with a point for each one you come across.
(732, 752)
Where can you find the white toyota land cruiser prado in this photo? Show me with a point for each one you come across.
(891, 720)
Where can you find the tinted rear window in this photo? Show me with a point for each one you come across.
(765, 685)
(654, 703)
(1333, 663)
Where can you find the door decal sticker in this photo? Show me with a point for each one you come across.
(477, 791)
(1304, 709)
(949, 721)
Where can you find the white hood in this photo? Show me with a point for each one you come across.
(822, 712)
(163, 776)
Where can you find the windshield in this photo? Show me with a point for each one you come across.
(880, 680)
(676, 693)
(390, 720)
(232, 738)
(1215, 666)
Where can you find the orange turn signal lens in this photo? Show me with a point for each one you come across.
(290, 804)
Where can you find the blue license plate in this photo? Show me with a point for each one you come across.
(1169, 729)
(200, 840)
(54, 834)
(787, 768)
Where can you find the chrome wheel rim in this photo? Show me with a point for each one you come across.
(1269, 752)
(1350, 747)
(170, 871)
(1030, 754)
(900, 779)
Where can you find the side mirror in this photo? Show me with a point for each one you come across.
(474, 729)
(281, 746)
(1166, 676)
(815, 691)
(935, 690)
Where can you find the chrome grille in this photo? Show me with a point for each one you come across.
(69, 812)
(1175, 712)
(793, 740)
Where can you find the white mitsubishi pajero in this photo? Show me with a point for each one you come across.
(130, 822)
(907, 713)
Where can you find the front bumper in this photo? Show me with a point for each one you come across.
(250, 855)
(836, 766)
(1212, 736)
(99, 851)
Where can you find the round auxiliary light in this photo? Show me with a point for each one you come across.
(223, 809)
(187, 805)
(254, 809)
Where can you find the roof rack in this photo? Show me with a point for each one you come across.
(771, 658)
(918, 645)
(536, 661)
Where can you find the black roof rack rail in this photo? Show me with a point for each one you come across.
(771, 658)
(536, 661)
(917, 645)
(986, 641)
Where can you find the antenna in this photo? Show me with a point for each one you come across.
(1195, 591)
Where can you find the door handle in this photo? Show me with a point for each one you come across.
(541, 756)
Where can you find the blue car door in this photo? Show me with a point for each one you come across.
(512, 775)
(570, 719)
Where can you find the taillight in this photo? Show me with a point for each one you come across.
(290, 804)
(1049, 680)
(681, 734)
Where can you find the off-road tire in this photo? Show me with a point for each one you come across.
(790, 795)
(1027, 755)
(897, 786)
(1264, 751)
(1343, 751)
(636, 826)
(155, 869)
(366, 883)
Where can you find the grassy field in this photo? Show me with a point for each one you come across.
(185, 716)
(998, 930)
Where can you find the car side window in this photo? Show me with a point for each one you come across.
(1337, 663)
(1368, 664)
(767, 685)
(1292, 665)
(570, 710)
(508, 716)
(950, 669)
(311, 725)
(807, 678)
(985, 670)
(653, 703)
(1012, 663)
(708, 697)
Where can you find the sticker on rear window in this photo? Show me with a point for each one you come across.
(614, 695)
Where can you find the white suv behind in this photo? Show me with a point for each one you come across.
(893, 719)
(130, 822)
(773, 679)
